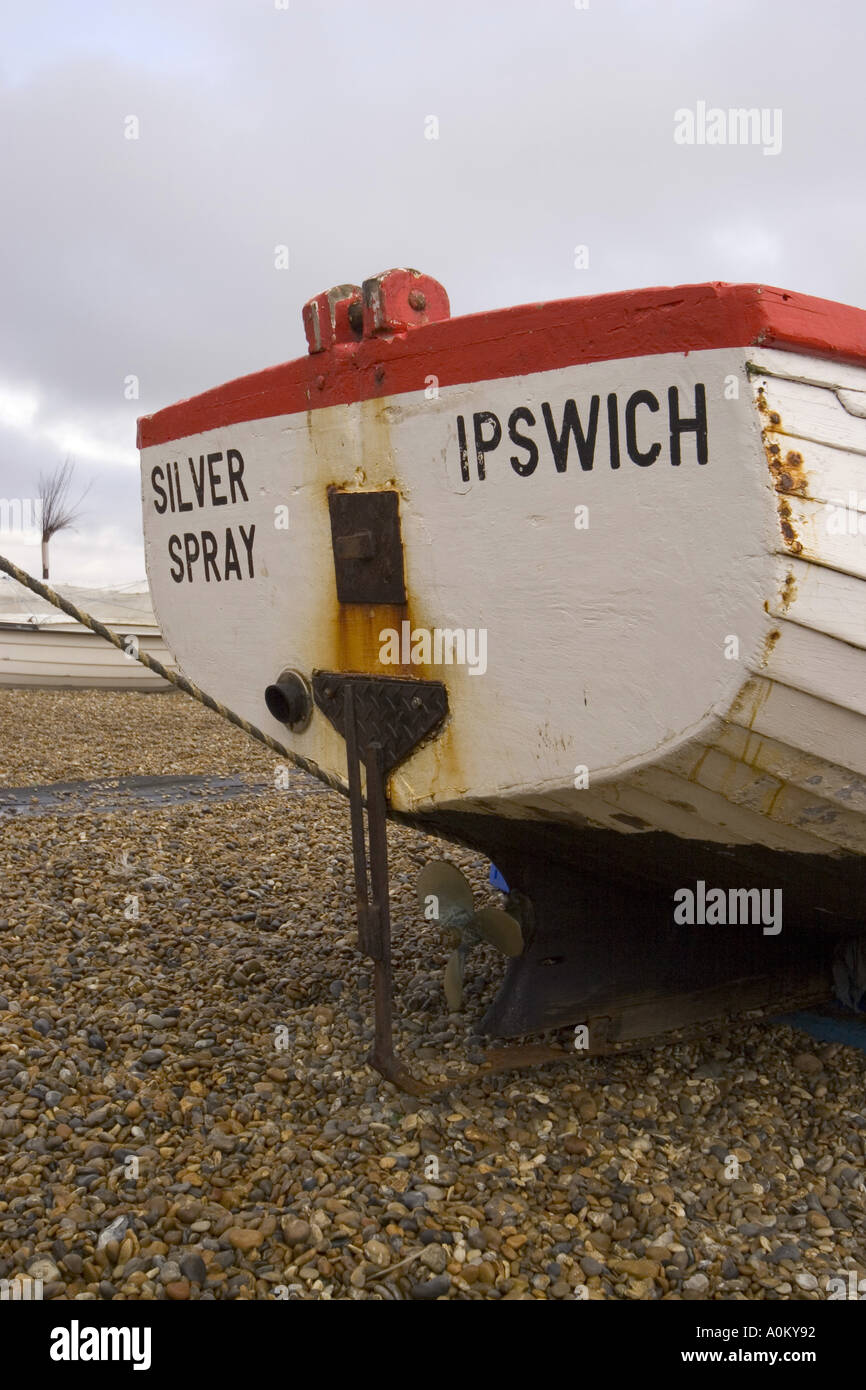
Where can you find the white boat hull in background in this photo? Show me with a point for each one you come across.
(71, 658)
(41, 648)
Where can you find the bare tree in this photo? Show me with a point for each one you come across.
(58, 513)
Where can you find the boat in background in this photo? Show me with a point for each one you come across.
(43, 649)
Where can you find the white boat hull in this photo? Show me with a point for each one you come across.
(674, 677)
(68, 657)
(629, 649)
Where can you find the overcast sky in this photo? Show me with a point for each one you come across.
(304, 124)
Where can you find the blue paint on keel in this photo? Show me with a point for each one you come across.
(829, 1026)
(496, 879)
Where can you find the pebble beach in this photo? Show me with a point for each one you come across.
(186, 1110)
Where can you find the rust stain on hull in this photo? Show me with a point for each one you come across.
(358, 641)
(788, 591)
(750, 700)
(788, 473)
(789, 533)
(349, 635)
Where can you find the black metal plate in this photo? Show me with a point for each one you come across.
(367, 545)
(393, 712)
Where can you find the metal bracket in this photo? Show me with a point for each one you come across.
(382, 720)
(367, 546)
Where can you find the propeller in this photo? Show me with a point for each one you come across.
(445, 897)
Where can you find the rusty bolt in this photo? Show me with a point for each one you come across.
(417, 300)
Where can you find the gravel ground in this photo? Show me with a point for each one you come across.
(186, 1112)
(60, 736)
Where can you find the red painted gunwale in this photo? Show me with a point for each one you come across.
(519, 341)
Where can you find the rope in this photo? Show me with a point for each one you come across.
(303, 764)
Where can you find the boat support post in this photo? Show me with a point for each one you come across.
(382, 719)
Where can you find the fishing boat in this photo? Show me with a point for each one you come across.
(42, 649)
(583, 585)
